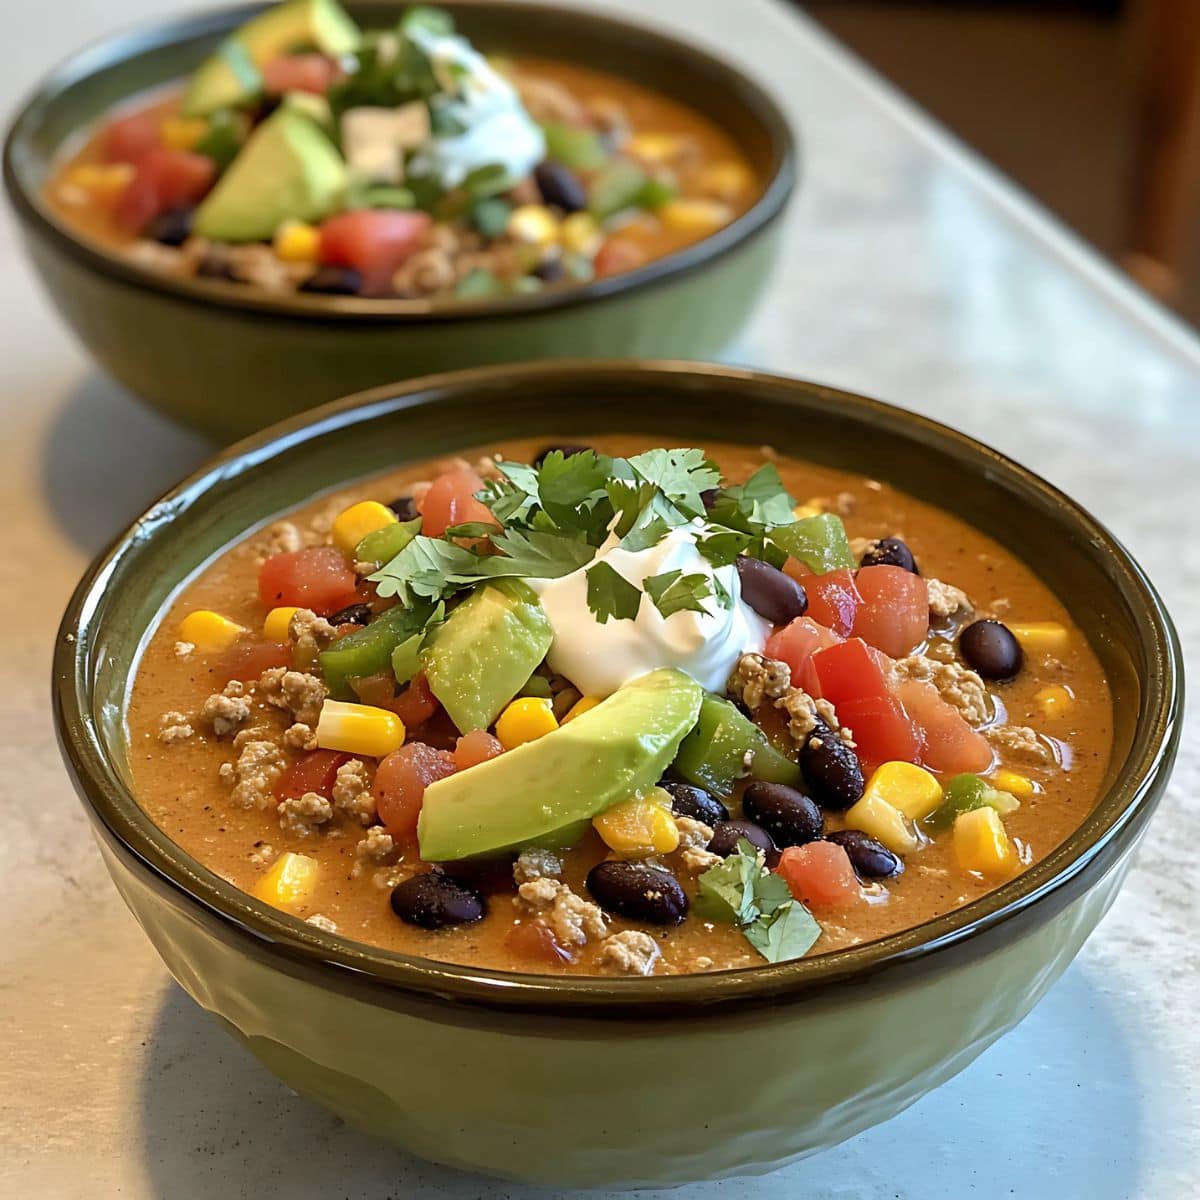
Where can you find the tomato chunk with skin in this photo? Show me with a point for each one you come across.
(127, 139)
(450, 500)
(164, 179)
(476, 747)
(374, 242)
(248, 660)
(299, 73)
(400, 782)
(833, 600)
(416, 704)
(535, 941)
(819, 874)
(894, 613)
(851, 670)
(951, 745)
(312, 772)
(883, 731)
(795, 644)
(317, 578)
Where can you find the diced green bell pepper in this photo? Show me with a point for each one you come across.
(616, 187)
(966, 792)
(384, 544)
(227, 131)
(713, 755)
(537, 686)
(819, 542)
(486, 651)
(369, 651)
(579, 149)
(656, 192)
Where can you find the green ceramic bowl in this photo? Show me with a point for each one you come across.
(598, 1081)
(228, 360)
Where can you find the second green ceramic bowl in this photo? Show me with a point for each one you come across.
(227, 359)
(600, 1081)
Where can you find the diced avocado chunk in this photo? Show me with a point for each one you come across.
(713, 755)
(546, 791)
(232, 75)
(486, 651)
(288, 170)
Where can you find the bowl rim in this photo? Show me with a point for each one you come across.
(121, 47)
(396, 980)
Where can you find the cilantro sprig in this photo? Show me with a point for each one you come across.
(742, 892)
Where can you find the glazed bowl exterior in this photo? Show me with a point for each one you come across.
(228, 359)
(600, 1081)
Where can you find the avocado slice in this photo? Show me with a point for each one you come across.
(232, 76)
(288, 170)
(546, 791)
(486, 651)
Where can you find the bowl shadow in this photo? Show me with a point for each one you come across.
(212, 1115)
(107, 456)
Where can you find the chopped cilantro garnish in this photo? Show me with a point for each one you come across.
(610, 594)
(673, 592)
(760, 502)
(788, 932)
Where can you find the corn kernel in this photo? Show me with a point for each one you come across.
(582, 705)
(655, 148)
(696, 217)
(1042, 637)
(580, 234)
(354, 523)
(297, 242)
(533, 224)
(726, 180)
(1054, 701)
(885, 823)
(278, 622)
(209, 631)
(981, 843)
(290, 880)
(359, 729)
(182, 133)
(1014, 784)
(103, 181)
(639, 827)
(525, 720)
(903, 785)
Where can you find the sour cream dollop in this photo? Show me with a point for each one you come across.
(598, 659)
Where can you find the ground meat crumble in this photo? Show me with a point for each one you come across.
(295, 692)
(309, 634)
(947, 601)
(569, 917)
(694, 837)
(174, 727)
(630, 952)
(1022, 743)
(303, 815)
(959, 686)
(352, 792)
(226, 711)
(258, 765)
(535, 863)
(757, 678)
(300, 737)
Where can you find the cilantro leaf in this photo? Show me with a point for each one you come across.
(786, 933)
(648, 530)
(568, 482)
(610, 594)
(819, 542)
(727, 890)
(674, 592)
(534, 554)
(512, 497)
(423, 568)
(469, 529)
(680, 475)
(760, 502)
(721, 548)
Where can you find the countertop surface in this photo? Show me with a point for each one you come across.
(909, 271)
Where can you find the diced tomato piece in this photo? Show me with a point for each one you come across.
(299, 73)
(951, 745)
(476, 747)
(617, 255)
(800, 572)
(819, 874)
(312, 772)
(316, 578)
(416, 704)
(377, 690)
(248, 660)
(882, 730)
(833, 601)
(795, 645)
(534, 941)
(164, 179)
(128, 138)
(372, 241)
(400, 783)
(894, 614)
(850, 670)
(450, 500)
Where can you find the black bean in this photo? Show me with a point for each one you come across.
(991, 649)
(171, 228)
(788, 815)
(694, 802)
(550, 270)
(566, 449)
(831, 769)
(560, 186)
(333, 281)
(890, 552)
(773, 595)
(638, 891)
(215, 266)
(869, 858)
(405, 508)
(352, 614)
(726, 835)
(434, 901)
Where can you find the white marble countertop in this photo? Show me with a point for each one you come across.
(909, 272)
